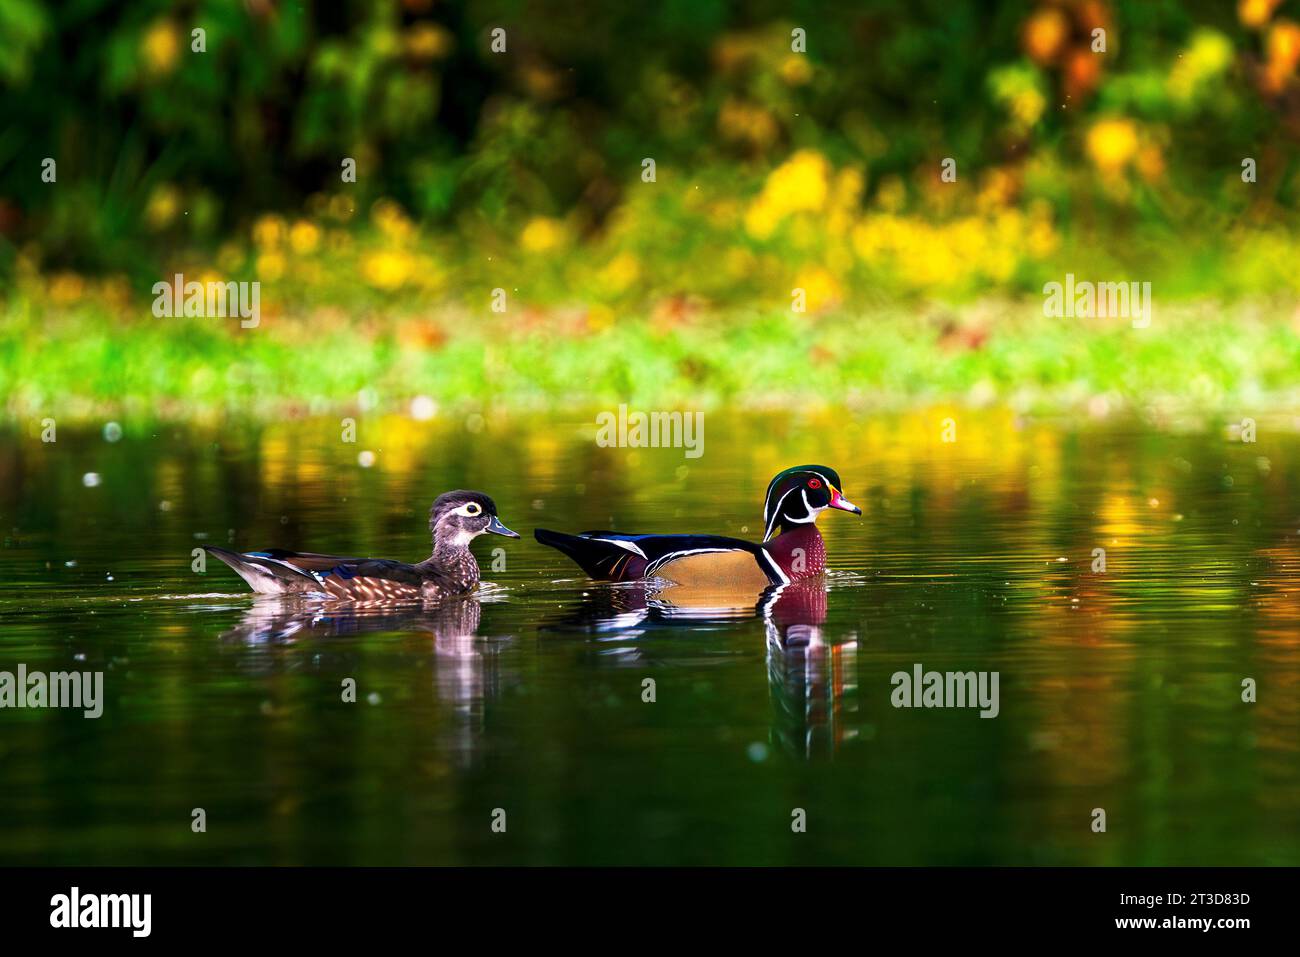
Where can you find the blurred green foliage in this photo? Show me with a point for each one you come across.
(467, 140)
(781, 171)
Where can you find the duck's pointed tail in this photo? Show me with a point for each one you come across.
(264, 574)
(604, 559)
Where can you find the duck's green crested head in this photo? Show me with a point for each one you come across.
(798, 495)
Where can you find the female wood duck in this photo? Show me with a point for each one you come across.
(794, 500)
(456, 519)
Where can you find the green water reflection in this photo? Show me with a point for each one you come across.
(1119, 689)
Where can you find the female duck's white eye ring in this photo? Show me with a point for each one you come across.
(472, 508)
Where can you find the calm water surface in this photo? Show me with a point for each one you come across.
(1118, 690)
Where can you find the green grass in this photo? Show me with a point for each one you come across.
(83, 362)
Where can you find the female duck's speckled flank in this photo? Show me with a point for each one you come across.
(794, 500)
(456, 519)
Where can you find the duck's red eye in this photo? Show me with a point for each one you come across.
(814, 483)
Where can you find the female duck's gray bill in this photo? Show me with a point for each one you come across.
(496, 528)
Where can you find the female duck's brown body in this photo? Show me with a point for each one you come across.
(456, 519)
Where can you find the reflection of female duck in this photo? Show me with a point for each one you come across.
(467, 669)
(280, 621)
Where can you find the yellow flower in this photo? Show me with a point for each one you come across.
(386, 270)
(800, 184)
(268, 232)
(160, 47)
(621, 272)
(1255, 13)
(849, 184)
(933, 264)
(820, 288)
(1044, 34)
(428, 41)
(1112, 144)
(1284, 46)
(541, 234)
(796, 70)
(270, 266)
(761, 220)
(304, 237)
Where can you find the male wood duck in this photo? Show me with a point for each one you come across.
(794, 500)
(456, 519)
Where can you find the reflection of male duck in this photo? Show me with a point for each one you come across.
(813, 683)
(625, 611)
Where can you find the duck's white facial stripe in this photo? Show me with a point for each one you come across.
(771, 519)
(810, 513)
(469, 510)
